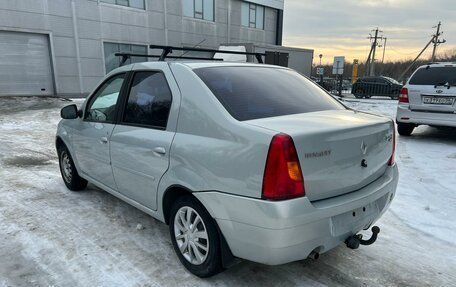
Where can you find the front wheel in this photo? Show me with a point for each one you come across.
(68, 170)
(195, 238)
(405, 129)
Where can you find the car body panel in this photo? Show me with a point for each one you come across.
(206, 135)
(91, 146)
(332, 144)
(279, 232)
(138, 161)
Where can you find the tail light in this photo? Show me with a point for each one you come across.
(282, 175)
(403, 96)
(391, 160)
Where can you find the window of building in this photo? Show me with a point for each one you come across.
(149, 100)
(252, 15)
(199, 9)
(129, 3)
(112, 61)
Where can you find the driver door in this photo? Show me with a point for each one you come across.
(92, 137)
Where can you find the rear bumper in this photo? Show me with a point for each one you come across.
(280, 232)
(405, 115)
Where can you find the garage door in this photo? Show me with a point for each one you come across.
(25, 65)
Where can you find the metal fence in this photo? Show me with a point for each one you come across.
(344, 87)
(334, 85)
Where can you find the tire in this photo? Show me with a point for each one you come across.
(209, 262)
(395, 95)
(359, 93)
(405, 129)
(68, 171)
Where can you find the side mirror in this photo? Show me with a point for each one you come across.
(69, 112)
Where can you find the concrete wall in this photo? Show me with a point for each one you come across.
(78, 28)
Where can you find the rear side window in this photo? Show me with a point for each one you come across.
(149, 100)
(259, 92)
(434, 76)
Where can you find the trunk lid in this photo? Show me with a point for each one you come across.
(331, 146)
(440, 99)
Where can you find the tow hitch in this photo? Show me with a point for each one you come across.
(354, 241)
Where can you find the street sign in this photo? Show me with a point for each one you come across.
(320, 71)
(338, 65)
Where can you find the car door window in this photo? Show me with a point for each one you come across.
(102, 106)
(149, 100)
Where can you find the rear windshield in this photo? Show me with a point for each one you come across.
(434, 76)
(249, 93)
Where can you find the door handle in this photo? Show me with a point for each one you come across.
(104, 140)
(160, 150)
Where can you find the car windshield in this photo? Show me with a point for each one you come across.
(260, 92)
(434, 76)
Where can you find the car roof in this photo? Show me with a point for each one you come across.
(439, 64)
(206, 64)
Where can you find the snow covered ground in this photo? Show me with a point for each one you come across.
(51, 236)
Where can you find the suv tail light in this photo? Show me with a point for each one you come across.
(282, 175)
(391, 160)
(403, 97)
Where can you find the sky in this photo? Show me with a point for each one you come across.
(341, 27)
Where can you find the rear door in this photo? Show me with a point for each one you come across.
(433, 89)
(141, 141)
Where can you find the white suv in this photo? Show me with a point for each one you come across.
(428, 98)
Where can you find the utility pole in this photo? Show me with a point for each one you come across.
(321, 74)
(371, 61)
(436, 40)
(384, 47)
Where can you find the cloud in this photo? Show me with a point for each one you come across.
(341, 27)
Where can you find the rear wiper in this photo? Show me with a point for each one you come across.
(444, 84)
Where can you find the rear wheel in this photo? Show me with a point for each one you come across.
(68, 170)
(195, 238)
(405, 129)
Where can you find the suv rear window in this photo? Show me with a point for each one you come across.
(249, 93)
(434, 76)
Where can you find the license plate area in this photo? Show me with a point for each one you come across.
(354, 220)
(434, 100)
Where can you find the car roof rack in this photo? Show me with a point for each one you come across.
(126, 56)
(167, 50)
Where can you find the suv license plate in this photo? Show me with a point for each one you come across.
(438, 100)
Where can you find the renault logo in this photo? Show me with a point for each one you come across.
(363, 148)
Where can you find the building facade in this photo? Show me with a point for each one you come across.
(65, 47)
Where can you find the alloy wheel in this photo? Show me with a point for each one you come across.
(191, 235)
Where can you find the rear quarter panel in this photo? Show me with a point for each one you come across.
(211, 150)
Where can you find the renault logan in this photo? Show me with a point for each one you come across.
(240, 160)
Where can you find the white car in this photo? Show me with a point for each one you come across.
(428, 98)
(241, 160)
